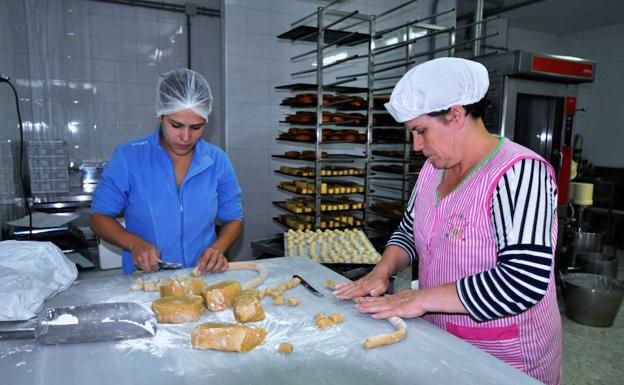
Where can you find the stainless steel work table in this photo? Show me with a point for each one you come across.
(332, 356)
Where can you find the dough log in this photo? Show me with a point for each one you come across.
(227, 337)
(177, 310)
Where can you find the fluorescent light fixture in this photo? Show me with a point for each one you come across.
(332, 58)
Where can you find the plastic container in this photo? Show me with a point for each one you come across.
(598, 263)
(47, 162)
(49, 186)
(46, 148)
(591, 299)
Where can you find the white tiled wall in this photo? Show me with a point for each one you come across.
(601, 100)
(256, 61)
(86, 71)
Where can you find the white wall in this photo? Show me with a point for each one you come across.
(86, 71)
(602, 99)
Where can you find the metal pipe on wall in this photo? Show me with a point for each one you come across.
(478, 17)
(189, 10)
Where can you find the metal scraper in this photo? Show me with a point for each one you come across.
(88, 323)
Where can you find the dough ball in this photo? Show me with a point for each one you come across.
(336, 318)
(293, 301)
(324, 323)
(227, 337)
(221, 295)
(175, 310)
(320, 315)
(330, 284)
(279, 300)
(285, 347)
(136, 287)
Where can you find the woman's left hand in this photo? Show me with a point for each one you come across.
(407, 304)
(212, 260)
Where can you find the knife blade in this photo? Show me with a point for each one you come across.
(169, 265)
(305, 284)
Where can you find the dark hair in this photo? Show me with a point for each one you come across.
(476, 110)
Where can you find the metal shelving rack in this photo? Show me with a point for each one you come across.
(384, 63)
(326, 36)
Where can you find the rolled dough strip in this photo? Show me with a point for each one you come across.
(257, 281)
(251, 284)
(390, 338)
(382, 339)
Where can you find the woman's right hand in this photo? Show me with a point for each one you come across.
(145, 255)
(374, 284)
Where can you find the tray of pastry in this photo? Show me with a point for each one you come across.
(328, 221)
(314, 87)
(347, 102)
(349, 246)
(310, 172)
(338, 118)
(325, 157)
(388, 135)
(391, 209)
(327, 188)
(301, 205)
(394, 168)
(308, 135)
(385, 119)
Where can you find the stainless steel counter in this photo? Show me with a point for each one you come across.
(332, 356)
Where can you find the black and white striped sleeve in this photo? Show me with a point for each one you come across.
(403, 236)
(522, 209)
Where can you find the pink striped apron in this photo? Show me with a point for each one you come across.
(455, 238)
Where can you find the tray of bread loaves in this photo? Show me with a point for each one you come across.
(331, 246)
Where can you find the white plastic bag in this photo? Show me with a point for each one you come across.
(30, 273)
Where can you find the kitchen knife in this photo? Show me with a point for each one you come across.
(169, 265)
(305, 284)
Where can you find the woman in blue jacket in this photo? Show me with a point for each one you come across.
(171, 186)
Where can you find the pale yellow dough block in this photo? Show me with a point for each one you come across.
(227, 337)
(293, 301)
(193, 286)
(279, 300)
(175, 310)
(285, 347)
(220, 296)
(336, 318)
(247, 308)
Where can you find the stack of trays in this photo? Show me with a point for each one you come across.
(47, 166)
(7, 170)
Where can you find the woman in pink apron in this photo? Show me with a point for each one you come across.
(481, 224)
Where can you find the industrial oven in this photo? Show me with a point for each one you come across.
(533, 100)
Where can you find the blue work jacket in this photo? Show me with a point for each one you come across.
(139, 181)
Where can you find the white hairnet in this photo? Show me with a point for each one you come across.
(183, 89)
(437, 85)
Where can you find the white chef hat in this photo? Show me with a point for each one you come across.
(183, 89)
(437, 85)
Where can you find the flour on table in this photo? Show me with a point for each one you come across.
(63, 319)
